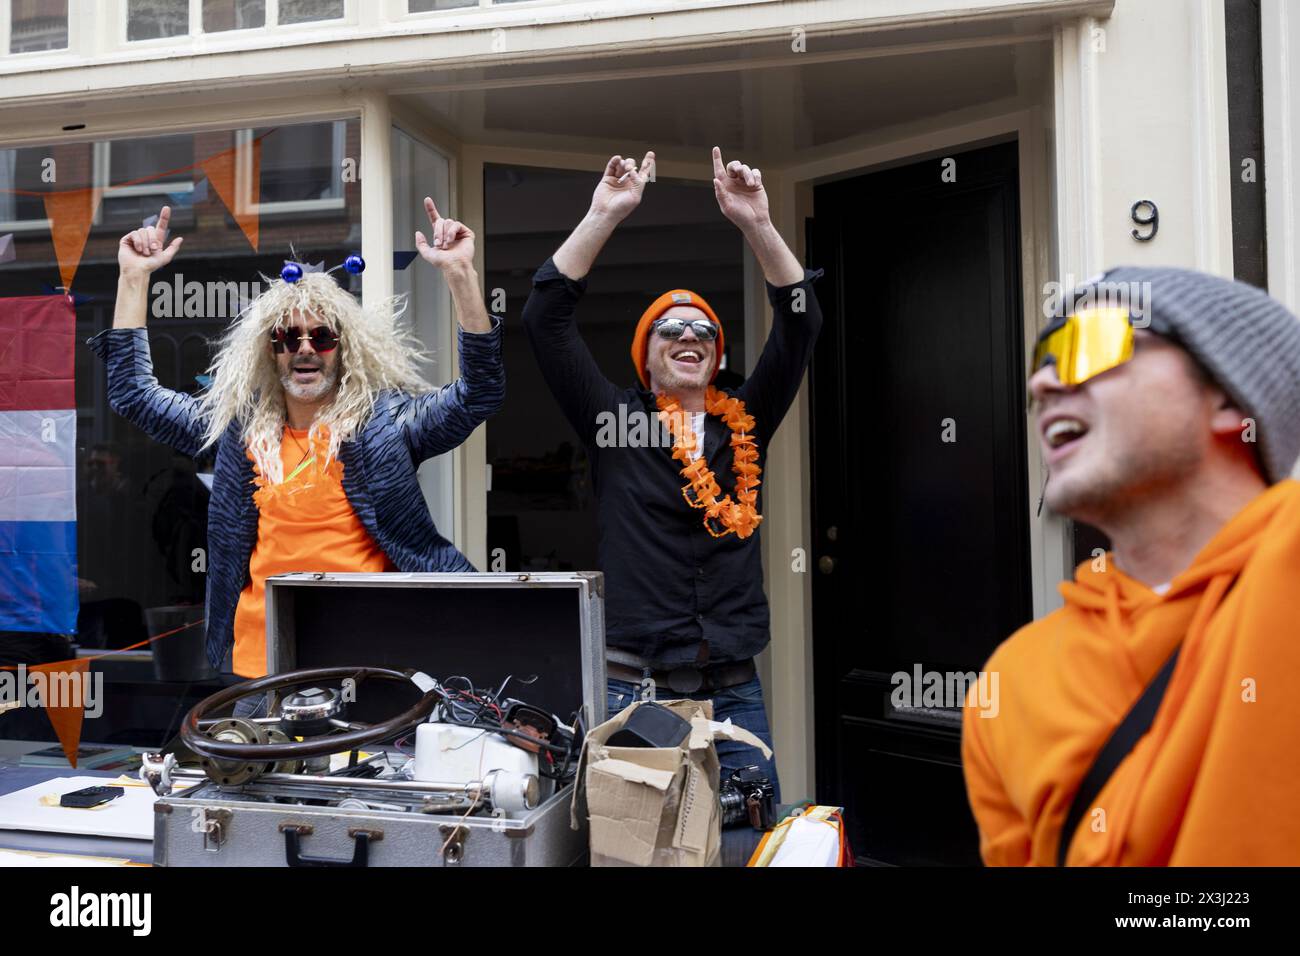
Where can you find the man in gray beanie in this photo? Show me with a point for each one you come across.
(1149, 721)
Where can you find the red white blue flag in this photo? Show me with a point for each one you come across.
(38, 441)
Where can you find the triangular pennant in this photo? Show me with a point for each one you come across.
(65, 714)
(70, 213)
(220, 170)
(403, 258)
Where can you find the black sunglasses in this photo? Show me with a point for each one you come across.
(321, 338)
(675, 328)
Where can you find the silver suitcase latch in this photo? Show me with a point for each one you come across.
(212, 823)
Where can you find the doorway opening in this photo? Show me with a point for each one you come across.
(919, 483)
(541, 511)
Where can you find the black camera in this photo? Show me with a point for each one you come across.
(747, 796)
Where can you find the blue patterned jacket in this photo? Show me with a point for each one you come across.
(379, 465)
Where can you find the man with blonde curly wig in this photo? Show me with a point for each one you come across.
(319, 418)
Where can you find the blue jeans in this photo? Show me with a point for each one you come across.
(743, 703)
(253, 705)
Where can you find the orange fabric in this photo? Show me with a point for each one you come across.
(304, 524)
(65, 714)
(1216, 781)
(641, 340)
(702, 489)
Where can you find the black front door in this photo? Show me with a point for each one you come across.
(920, 505)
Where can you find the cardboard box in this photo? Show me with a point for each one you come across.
(655, 806)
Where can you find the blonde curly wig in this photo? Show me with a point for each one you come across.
(377, 351)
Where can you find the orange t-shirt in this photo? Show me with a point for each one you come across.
(306, 523)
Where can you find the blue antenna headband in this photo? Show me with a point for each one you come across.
(293, 271)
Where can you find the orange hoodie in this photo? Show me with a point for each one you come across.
(1216, 780)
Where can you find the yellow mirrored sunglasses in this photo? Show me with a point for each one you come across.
(1088, 343)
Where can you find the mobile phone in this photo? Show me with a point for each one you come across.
(90, 797)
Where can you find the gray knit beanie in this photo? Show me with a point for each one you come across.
(1247, 340)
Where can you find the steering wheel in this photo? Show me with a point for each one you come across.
(318, 746)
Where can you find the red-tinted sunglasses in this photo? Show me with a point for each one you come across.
(321, 338)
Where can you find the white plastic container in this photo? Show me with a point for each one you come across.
(448, 753)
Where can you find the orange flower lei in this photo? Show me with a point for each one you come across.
(702, 489)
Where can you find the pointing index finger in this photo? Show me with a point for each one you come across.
(719, 171)
(432, 211)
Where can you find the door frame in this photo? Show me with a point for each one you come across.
(788, 469)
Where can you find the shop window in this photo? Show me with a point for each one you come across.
(141, 509)
(419, 171)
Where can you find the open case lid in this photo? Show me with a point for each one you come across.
(482, 626)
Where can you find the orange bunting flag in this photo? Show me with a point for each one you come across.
(63, 694)
(71, 213)
(221, 172)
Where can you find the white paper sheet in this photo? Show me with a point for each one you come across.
(129, 816)
(10, 858)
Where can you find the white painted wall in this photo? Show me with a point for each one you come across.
(1280, 35)
(1142, 113)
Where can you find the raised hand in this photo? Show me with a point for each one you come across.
(740, 192)
(450, 243)
(144, 250)
(620, 188)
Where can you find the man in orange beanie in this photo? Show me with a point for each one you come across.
(678, 501)
(1150, 721)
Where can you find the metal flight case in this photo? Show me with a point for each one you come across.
(485, 627)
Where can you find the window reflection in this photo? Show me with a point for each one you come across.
(38, 25)
(141, 508)
(424, 6)
(221, 15)
(20, 178)
(303, 11)
(418, 170)
(152, 19)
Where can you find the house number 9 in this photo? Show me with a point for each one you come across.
(1149, 217)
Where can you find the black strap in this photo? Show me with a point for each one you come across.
(1130, 730)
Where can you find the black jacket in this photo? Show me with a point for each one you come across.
(669, 585)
